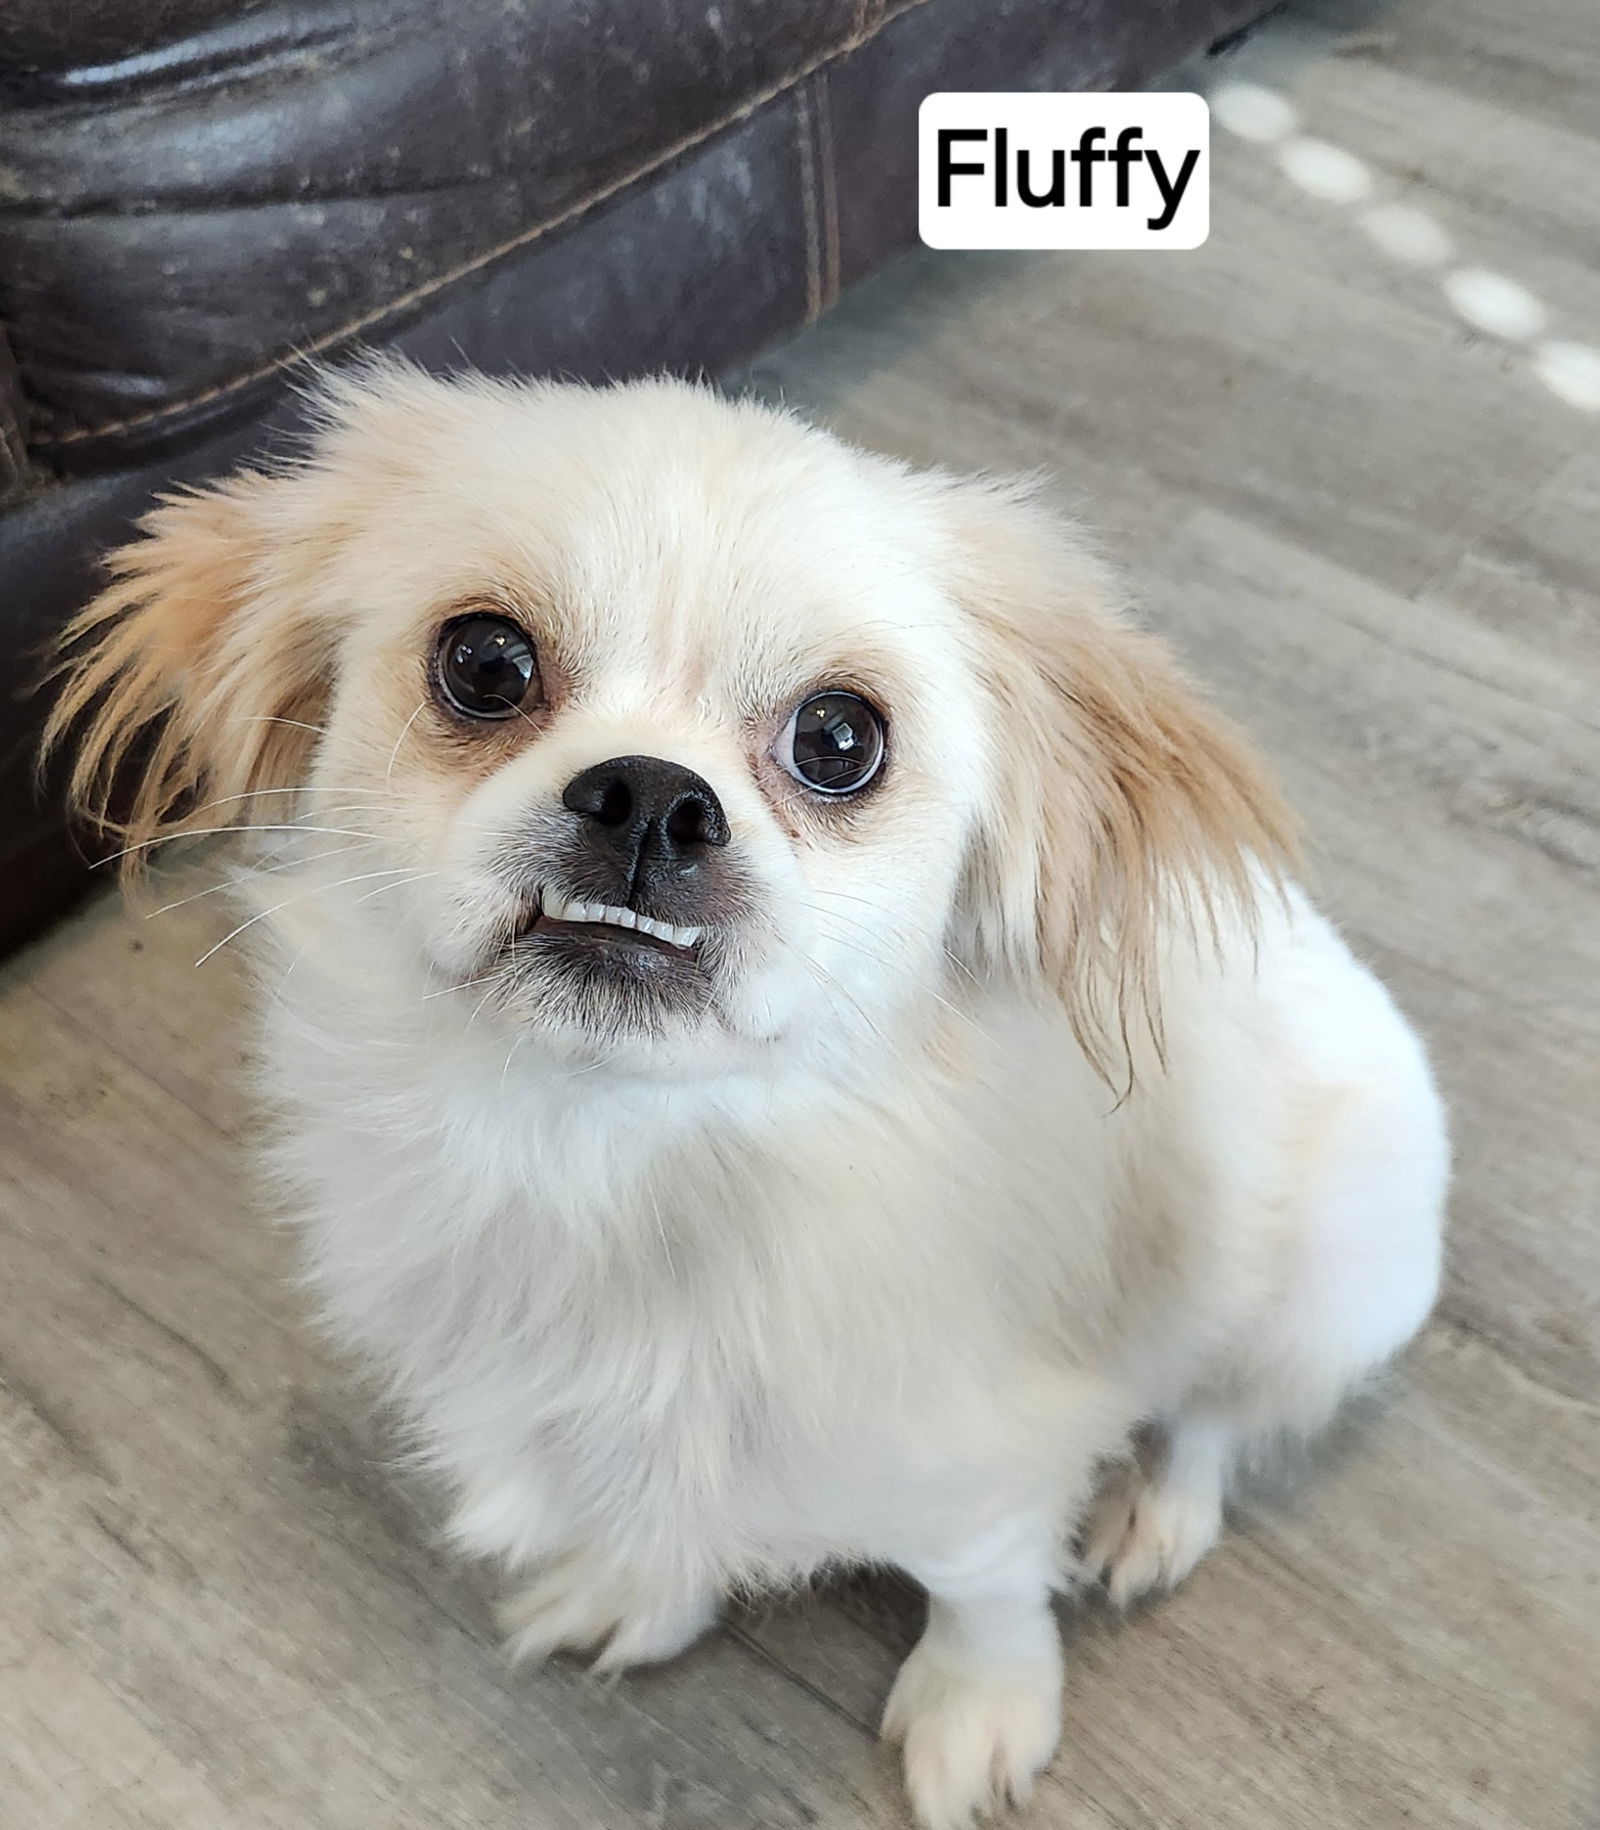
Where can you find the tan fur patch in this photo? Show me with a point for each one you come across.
(1123, 800)
(189, 654)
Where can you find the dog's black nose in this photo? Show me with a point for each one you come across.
(642, 809)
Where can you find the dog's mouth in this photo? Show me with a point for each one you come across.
(609, 926)
(607, 970)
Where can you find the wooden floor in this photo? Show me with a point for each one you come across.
(1377, 534)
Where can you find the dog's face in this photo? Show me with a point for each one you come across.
(667, 731)
(686, 742)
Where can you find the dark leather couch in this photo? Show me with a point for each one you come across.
(196, 193)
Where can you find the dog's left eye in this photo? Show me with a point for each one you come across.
(833, 742)
(485, 666)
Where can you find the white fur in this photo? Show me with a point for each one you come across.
(875, 1267)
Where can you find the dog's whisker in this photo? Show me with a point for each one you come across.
(296, 724)
(316, 889)
(882, 959)
(235, 879)
(208, 832)
(961, 965)
(320, 813)
(829, 980)
(405, 884)
(494, 985)
(444, 991)
(661, 1229)
(405, 732)
(287, 849)
(875, 953)
(283, 983)
(255, 794)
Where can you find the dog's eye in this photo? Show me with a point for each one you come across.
(833, 743)
(485, 667)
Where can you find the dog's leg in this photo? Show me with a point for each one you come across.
(976, 1708)
(1155, 1522)
(1358, 1279)
(575, 1599)
(581, 1603)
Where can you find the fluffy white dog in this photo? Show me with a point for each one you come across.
(793, 1034)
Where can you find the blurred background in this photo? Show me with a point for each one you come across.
(1348, 456)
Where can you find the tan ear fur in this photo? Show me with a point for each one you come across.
(187, 683)
(1124, 803)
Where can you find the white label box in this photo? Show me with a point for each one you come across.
(1000, 169)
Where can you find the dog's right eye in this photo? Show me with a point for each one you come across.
(485, 667)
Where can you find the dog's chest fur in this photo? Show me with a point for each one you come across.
(691, 1344)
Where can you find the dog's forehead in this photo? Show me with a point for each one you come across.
(731, 577)
(688, 562)
(654, 534)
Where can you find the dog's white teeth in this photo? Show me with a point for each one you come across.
(559, 909)
(665, 930)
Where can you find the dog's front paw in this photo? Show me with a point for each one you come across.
(973, 1736)
(577, 1605)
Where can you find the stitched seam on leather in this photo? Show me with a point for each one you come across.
(425, 289)
(13, 447)
(830, 190)
(808, 205)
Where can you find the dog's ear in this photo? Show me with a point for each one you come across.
(196, 679)
(1120, 804)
